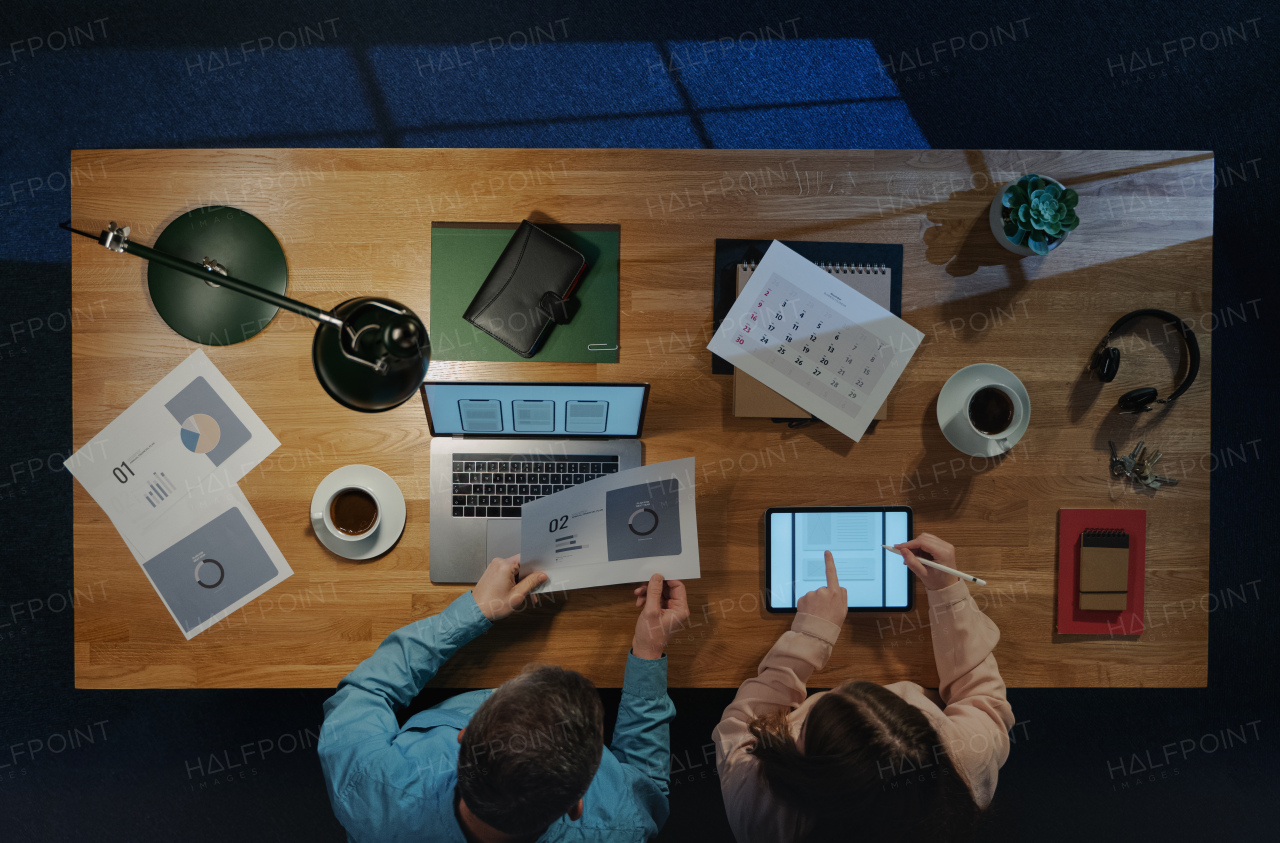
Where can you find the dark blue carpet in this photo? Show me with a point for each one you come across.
(78, 765)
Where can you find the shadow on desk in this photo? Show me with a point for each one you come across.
(529, 625)
(310, 532)
(963, 245)
(1059, 638)
(823, 435)
(939, 484)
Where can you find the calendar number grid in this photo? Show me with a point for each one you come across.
(810, 344)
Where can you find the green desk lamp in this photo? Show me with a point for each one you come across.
(370, 354)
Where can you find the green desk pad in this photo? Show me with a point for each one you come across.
(462, 254)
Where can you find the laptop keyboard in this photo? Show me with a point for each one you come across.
(497, 485)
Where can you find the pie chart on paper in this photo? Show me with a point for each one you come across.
(200, 433)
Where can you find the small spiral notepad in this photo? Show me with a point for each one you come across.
(807, 335)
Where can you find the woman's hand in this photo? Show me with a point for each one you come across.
(937, 550)
(830, 602)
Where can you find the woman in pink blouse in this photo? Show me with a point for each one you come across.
(862, 760)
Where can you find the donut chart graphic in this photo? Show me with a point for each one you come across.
(200, 433)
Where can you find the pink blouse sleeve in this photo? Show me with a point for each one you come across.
(978, 714)
(780, 684)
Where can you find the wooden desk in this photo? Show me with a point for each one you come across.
(358, 221)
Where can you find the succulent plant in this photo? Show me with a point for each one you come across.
(1038, 213)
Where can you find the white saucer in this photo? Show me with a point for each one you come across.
(390, 502)
(953, 415)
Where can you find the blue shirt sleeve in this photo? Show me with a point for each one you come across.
(359, 720)
(642, 736)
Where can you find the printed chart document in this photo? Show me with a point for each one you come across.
(165, 473)
(191, 431)
(619, 528)
(222, 559)
(816, 341)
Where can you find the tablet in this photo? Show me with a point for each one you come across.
(796, 537)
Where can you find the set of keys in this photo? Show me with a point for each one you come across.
(1139, 466)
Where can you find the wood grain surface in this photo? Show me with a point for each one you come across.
(355, 222)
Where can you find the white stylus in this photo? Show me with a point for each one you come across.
(961, 574)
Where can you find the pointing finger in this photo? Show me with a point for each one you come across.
(833, 580)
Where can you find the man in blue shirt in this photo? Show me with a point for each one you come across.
(523, 762)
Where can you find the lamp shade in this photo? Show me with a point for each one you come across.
(377, 359)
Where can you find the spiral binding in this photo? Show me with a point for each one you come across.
(839, 268)
(1106, 531)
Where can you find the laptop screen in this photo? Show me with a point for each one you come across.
(561, 410)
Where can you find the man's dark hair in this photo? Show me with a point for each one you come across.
(531, 749)
(872, 764)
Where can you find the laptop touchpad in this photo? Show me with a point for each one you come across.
(504, 538)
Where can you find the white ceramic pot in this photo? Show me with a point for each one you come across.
(997, 224)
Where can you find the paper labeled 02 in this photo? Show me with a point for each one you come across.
(619, 528)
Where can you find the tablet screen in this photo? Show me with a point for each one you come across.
(875, 578)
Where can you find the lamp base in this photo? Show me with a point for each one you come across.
(241, 244)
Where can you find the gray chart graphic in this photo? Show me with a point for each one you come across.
(643, 521)
(210, 569)
(208, 425)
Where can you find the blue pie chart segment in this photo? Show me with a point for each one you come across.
(200, 433)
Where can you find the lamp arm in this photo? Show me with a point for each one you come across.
(197, 271)
(117, 240)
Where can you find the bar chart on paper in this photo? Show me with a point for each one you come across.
(160, 487)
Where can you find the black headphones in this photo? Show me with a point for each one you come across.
(1106, 362)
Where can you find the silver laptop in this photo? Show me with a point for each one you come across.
(497, 446)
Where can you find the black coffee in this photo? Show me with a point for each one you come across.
(991, 410)
(353, 511)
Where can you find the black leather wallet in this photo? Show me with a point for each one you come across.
(528, 290)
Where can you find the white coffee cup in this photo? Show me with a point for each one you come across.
(362, 493)
(1001, 438)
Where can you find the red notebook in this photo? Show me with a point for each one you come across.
(1072, 620)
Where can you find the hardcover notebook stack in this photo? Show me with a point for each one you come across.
(752, 399)
(815, 340)
(732, 253)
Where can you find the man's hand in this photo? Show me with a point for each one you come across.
(830, 602)
(500, 589)
(937, 550)
(665, 609)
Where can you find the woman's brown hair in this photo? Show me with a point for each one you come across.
(872, 764)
